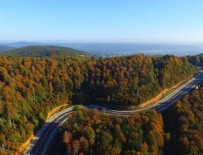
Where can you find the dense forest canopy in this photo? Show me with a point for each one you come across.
(43, 51)
(185, 123)
(30, 87)
(135, 79)
(91, 133)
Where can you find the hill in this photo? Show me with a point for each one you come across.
(24, 44)
(5, 48)
(43, 51)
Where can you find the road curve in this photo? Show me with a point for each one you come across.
(44, 136)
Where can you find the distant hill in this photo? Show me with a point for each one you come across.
(43, 51)
(200, 54)
(24, 44)
(5, 48)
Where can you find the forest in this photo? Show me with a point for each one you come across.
(91, 133)
(177, 131)
(31, 87)
(133, 80)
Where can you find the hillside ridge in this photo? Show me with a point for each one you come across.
(43, 51)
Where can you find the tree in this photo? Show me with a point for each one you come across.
(84, 144)
(67, 138)
(76, 147)
(106, 139)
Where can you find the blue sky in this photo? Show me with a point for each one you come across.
(167, 21)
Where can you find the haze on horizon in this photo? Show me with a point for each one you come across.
(141, 21)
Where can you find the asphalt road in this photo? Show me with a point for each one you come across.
(178, 93)
(44, 136)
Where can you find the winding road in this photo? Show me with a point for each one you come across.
(44, 136)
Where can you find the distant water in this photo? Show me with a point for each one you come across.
(116, 49)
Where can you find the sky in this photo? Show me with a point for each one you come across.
(167, 21)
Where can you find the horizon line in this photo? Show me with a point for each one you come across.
(100, 42)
